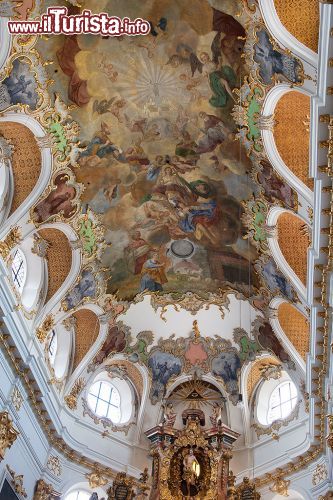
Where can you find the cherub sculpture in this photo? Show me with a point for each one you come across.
(168, 415)
(216, 417)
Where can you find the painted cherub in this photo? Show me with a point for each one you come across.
(191, 85)
(108, 70)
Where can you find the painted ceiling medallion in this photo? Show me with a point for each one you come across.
(182, 248)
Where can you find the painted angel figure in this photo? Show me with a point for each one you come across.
(20, 86)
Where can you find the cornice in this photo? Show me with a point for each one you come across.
(34, 395)
(320, 315)
(31, 354)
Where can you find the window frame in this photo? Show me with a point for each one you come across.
(52, 346)
(108, 402)
(15, 272)
(292, 400)
(78, 491)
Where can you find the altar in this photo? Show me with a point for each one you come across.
(192, 462)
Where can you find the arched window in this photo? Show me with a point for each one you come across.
(104, 401)
(78, 495)
(19, 270)
(60, 350)
(282, 401)
(275, 400)
(52, 348)
(28, 273)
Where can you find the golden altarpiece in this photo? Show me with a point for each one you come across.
(192, 461)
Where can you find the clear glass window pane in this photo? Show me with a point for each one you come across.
(114, 414)
(102, 408)
(105, 391)
(286, 409)
(293, 390)
(285, 393)
(71, 496)
(18, 270)
(92, 401)
(94, 389)
(115, 398)
(282, 401)
(274, 414)
(53, 347)
(78, 495)
(275, 399)
(104, 400)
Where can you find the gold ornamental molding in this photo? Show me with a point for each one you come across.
(122, 485)
(43, 330)
(17, 482)
(44, 419)
(44, 491)
(17, 399)
(71, 398)
(280, 486)
(54, 465)
(246, 489)
(329, 437)
(319, 371)
(320, 474)
(96, 479)
(328, 496)
(8, 434)
(11, 240)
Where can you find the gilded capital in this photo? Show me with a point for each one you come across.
(43, 490)
(12, 239)
(43, 330)
(7, 433)
(329, 437)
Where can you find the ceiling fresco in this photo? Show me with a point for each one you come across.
(194, 355)
(159, 156)
(160, 169)
(158, 176)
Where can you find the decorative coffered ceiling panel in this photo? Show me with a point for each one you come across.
(59, 259)
(256, 372)
(296, 327)
(291, 133)
(301, 19)
(293, 238)
(86, 333)
(26, 160)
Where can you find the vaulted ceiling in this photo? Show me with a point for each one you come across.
(168, 200)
